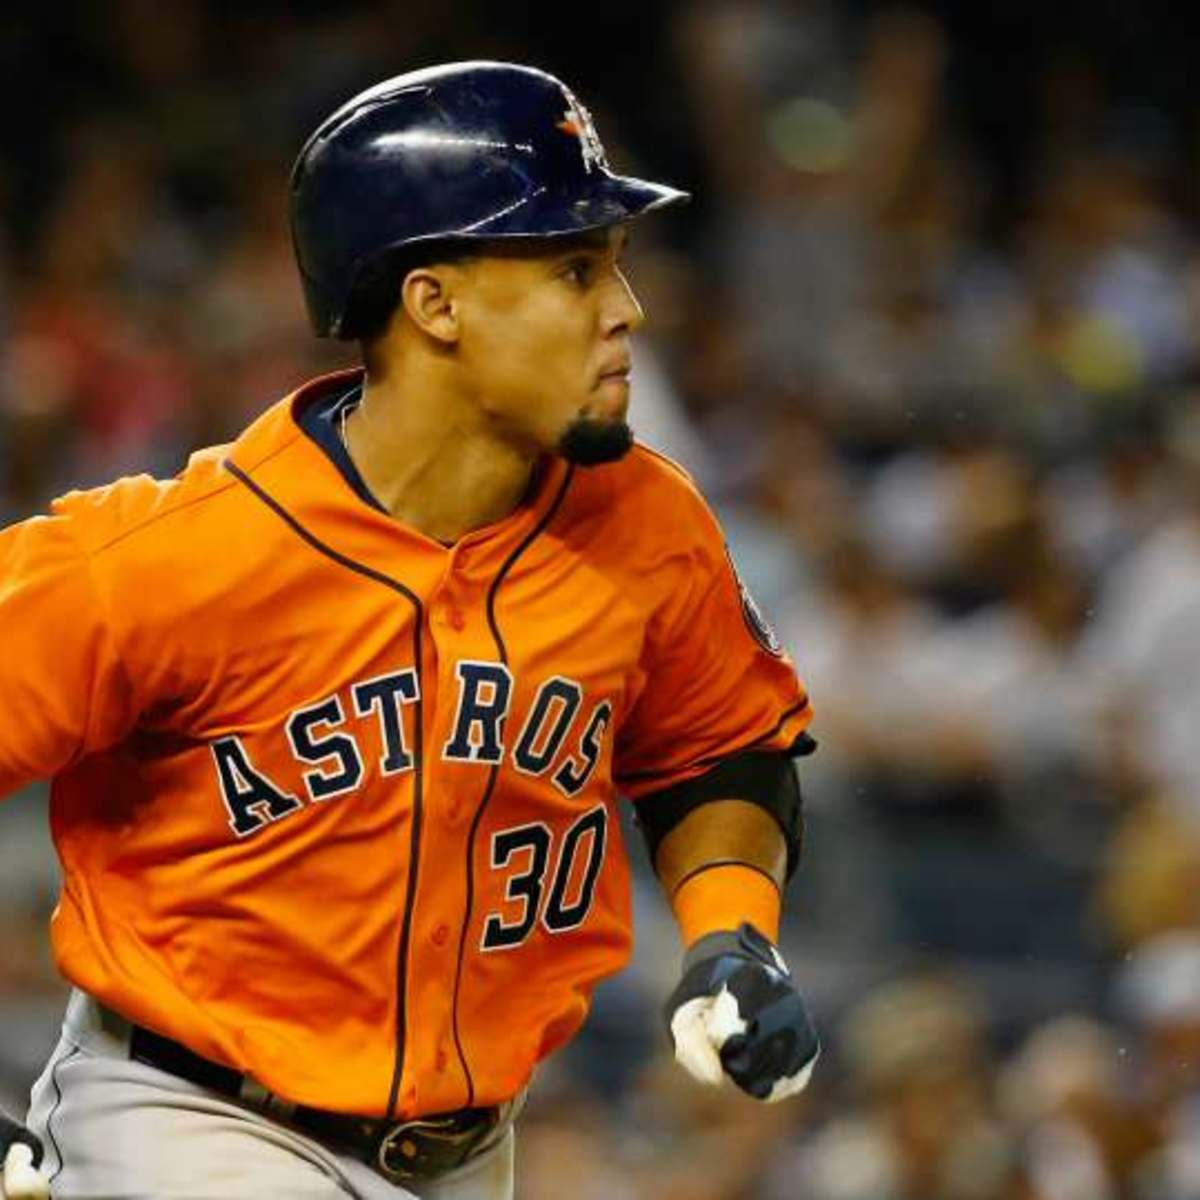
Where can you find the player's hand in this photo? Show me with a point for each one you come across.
(736, 1013)
(20, 1157)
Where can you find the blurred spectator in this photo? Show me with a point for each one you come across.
(924, 1126)
(1144, 641)
(1066, 1091)
(1102, 506)
(1159, 989)
(1151, 880)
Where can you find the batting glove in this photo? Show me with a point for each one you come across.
(736, 1012)
(21, 1154)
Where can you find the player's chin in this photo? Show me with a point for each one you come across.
(591, 441)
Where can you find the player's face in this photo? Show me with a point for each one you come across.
(545, 330)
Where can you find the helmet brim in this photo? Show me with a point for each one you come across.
(548, 212)
(606, 200)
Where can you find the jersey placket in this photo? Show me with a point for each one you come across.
(465, 753)
(435, 1076)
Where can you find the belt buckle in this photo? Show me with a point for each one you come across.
(398, 1153)
(426, 1146)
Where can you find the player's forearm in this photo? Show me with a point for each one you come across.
(723, 864)
(736, 1013)
(725, 830)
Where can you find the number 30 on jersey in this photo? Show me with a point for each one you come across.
(526, 851)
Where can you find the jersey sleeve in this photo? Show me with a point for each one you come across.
(716, 681)
(63, 690)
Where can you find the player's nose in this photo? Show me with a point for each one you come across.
(622, 313)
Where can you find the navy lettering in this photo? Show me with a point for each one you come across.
(485, 690)
(324, 784)
(560, 914)
(251, 798)
(386, 695)
(537, 748)
(573, 775)
(524, 886)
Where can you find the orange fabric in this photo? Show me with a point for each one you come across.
(249, 688)
(722, 897)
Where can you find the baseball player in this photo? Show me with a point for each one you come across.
(337, 718)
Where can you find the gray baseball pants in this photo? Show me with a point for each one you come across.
(120, 1130)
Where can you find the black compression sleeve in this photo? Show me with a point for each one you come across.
(763, 777)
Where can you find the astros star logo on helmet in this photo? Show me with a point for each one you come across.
(577, 121)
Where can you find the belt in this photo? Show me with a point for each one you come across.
(421, 1148)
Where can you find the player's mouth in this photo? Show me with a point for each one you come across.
(613, 389)
(619, 371)
(615, 382)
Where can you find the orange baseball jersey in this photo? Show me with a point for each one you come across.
(335, 803)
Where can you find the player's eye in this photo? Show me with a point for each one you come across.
(578, 271)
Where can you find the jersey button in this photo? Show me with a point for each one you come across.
(457, 620)
(441, 934)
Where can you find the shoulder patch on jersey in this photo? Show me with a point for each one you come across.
(760, 628)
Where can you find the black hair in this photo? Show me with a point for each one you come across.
(376, 292)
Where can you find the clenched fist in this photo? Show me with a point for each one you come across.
(20, 1154)
(736, 1013)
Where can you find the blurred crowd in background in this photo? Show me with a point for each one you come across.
(929, 337)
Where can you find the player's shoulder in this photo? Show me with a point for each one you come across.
(644, 478)
(659, 470)
(641, 512)
(648, 486)
(142, 506)
(204, 499)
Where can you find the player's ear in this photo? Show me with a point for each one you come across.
(429, 298)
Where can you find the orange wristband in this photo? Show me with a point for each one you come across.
(722, 897)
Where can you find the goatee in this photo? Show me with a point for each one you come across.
(588, 442)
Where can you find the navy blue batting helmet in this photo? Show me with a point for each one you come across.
(471, 150)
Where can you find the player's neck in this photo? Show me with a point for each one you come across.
(431, 460)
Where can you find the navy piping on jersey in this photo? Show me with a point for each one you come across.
(322, 421)
(502, 650)
(418, 756)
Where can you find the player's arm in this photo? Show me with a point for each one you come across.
(722, 863)
(63, 689)
(705, 753)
